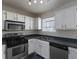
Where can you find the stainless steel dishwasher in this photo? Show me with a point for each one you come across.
(58, 51)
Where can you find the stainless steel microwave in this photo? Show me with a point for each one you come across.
(14, 25)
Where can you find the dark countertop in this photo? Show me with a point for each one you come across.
(14, 41)
(69, 42)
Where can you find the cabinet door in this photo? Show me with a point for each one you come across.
(27, 23)
(32, 22)
(20, 17)
(3, 18)
(4, 15)
(37, 45)
(72, 53)
(30, 46)
(45, 49)
(11, 16)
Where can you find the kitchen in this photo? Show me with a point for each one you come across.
(39, 29)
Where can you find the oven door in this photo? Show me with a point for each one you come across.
(16, 52)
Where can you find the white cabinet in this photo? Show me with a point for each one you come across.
(20, 18)
(66, 19)
(32, 22)
(72, 53)
(29, 23)
(31, 46)
(39, 23)
(11, 16)
(44, 49)
(15, 17)
(3, 18)
(4, 15)
(40, 47)
(38, 50)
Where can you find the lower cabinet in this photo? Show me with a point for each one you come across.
(31, 46)
(51, 52)
(40, 47)
(45, 51)
(72, 53)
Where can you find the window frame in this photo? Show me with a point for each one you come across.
(54, 30)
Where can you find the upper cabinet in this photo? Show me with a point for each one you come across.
(39, 23)
(11, 16)
(20, 18)
(4, 14)
(3, 18)
(29, 23)
(14, 16)
(66, 19)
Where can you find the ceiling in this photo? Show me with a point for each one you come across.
(37, 8)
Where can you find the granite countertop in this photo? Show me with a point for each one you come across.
(69, 42)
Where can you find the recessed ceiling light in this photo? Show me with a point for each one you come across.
(30, 3)
(35, 1)
(41, 1)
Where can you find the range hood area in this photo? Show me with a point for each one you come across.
(14, 25)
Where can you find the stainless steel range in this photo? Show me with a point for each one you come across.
(16, 46)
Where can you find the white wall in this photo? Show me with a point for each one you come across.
(68, 34)
(51, 12)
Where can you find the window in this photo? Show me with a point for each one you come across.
(48, 24)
